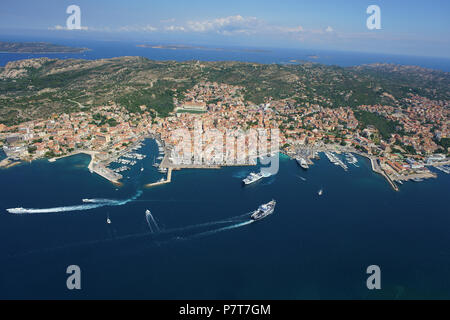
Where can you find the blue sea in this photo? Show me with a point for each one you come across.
(111, 49)
(199, 241)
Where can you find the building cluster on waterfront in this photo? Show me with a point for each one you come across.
(110, 130)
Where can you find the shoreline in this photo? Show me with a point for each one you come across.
(373, 160)
(376, 168)
(51, 52)
(7, 163)
(95, 167)
(332, 148)
(100, 166)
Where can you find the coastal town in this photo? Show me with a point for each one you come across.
(109, 132)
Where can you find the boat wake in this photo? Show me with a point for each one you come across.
(90, 204)
(150, 219)
(268, 182)
(214, 231)
(165, 236)
(241, 174)
(237, 219)
(97, 200)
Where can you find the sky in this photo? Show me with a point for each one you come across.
(407, 27)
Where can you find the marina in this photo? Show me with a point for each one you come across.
(111, 169)
(444, 168)
(335, 160)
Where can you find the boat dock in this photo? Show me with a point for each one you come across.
(376, 168)
(161, 182)
(95, 167)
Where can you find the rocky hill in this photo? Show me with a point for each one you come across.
(37, 88)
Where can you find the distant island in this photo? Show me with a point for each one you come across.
(37, 47)
(188, 47)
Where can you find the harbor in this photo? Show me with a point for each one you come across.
(310, 153)
(95, 166)
(112, 166)
(341, 156)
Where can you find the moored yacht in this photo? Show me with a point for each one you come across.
(302, 163)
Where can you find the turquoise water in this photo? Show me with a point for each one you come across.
(311, 247)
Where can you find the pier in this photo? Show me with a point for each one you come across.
(7, 163)
(376, 168)
(158, 183)
(95, 167)
(373, 160)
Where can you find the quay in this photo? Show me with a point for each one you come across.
(158, 183)
(373, 161)
(376, 168)
(95, 167)
(7, 163)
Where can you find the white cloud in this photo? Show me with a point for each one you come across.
(147, 28)
(175, 28)
(290, 29)
(57, 27)
(60, 28)
(233, 25)
(227, 25)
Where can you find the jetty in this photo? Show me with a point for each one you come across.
(7, 163)
(376, 168)
(158, 183)
(95, 167)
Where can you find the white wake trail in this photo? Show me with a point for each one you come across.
(156, 225)
(93, 204)
(55, 210)
(98, 200)
(208, 224)
(211, 232)
(147, 218)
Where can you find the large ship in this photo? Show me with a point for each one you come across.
(302, 163)
(253, 177)
(264, 210)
